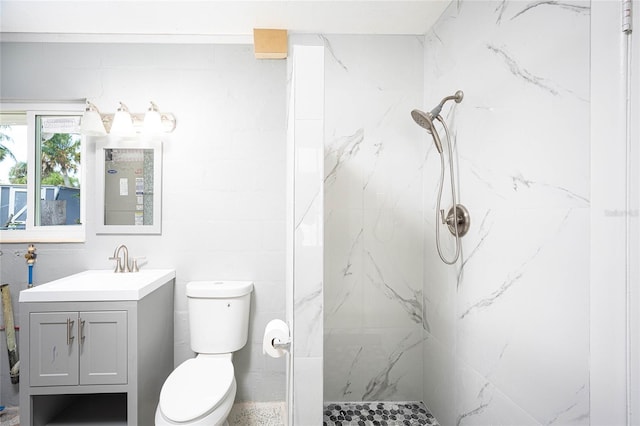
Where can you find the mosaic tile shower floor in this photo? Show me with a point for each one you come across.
(377, 414)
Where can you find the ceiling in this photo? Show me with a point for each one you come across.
(188, 20)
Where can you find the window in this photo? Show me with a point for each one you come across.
(41, 178)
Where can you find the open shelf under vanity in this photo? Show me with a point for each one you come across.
(74, 410)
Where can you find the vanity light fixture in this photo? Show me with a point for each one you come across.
(91, 123)
(126, 123)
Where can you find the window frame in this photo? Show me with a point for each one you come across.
(37, 233)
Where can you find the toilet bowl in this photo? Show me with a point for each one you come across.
(200, 392)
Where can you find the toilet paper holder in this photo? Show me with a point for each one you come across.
(276, 343)
(277, 338)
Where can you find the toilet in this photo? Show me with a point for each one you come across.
(201, 390)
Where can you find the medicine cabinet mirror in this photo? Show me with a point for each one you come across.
(129, 187)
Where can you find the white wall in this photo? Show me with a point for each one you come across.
(223, 175)
(509, 338)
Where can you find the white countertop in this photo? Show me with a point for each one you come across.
(99, 285)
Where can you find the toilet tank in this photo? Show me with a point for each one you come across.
(218, 315)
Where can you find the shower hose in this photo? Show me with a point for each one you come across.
(440, 213)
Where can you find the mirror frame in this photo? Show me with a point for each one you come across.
(156, 228)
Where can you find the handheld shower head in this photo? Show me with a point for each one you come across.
(425, 119)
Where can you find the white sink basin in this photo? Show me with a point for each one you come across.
(99, 285)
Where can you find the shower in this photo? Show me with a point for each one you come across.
(457, 218)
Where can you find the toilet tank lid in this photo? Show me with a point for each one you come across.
(204, 289)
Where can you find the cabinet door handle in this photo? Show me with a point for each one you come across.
(81, 331)
(70, 338)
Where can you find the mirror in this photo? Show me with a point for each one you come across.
(130, 187)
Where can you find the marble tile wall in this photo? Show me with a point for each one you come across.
(511, 322)
(374, 163)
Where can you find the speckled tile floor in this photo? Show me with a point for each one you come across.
(377, 414)
(257, 413)
(9, 417)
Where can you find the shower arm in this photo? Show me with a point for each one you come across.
(457, 97)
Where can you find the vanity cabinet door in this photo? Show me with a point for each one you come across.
(53, 348)
(103, 347)
(71, 348)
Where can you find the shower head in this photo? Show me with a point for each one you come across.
(425, 119)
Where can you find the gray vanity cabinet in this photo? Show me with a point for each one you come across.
(77, 348)
(87, 362)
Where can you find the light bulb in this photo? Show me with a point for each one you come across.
(152, 120)
(91, 123)
(122, 123)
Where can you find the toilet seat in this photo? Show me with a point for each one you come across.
(196, 388)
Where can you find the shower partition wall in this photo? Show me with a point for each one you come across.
(305, 229)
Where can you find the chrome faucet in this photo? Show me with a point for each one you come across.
(119, 262)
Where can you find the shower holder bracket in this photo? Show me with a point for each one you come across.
(463, 220)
